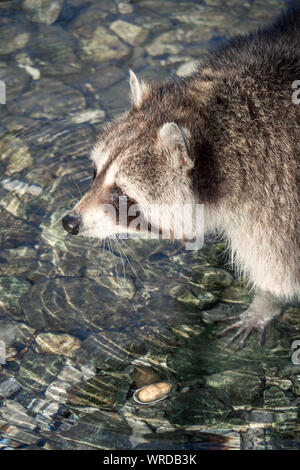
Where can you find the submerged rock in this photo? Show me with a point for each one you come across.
(238, 388)
(77, 303)
(105, 391)
(196, 406)
(236, 293)
(59, 99)
(8, 387)
(20, 187)
(187, 68)
(15, 154)
(153, 393)
(99, 44)
(15, 413)
(54, 51)
(42, 11)
(166, 43)
(58, 391)
(16, 38)
(11, 289)
(37, 371)
(275, 398)
(131, 33)
(61, 344)
(15, 79)
(14, 205)
(194, 296)
(92, 116)
(125, 8)
(213, 278)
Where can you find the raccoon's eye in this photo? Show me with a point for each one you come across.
(116, 194)
(94, 173)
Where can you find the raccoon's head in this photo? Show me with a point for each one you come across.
(141, 179)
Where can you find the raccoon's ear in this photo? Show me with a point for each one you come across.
(138, 89)
(174, 139)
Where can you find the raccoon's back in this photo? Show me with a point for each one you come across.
(272, 51)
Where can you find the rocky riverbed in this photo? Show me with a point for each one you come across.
(84, 326)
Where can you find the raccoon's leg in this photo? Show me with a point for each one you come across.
(263, 309)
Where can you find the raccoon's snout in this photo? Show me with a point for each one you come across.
(71, 224)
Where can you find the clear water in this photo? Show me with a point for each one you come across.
(85, 324)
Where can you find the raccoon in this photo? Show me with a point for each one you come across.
(226, 137)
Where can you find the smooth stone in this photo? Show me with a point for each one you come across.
(108, 100)
(15, 154)
(25, 62)
(122, 286)
(153, 23)
(11, 332)
(296, 385)
(283, 384)
(85, 301)
(237, 388)
(154, 392)
(130, 33)
(71, 375)
(11, 290)
(197, 405)
(53, 49)
(16, 436)
(59, 100)
(14, 206)
(105, 391)
(15, 413)
(15, 79)
(262, 416)
(275, 398)
(43, 11)
(166, 43)
(100, 77)
(58, 391)
(16, 38)
(187, 68)
(88, 371)
(194, 296)
(95, 13)
(59, 344)
(20, 187)
(125, 8)
(236, 293)
(8, 387)
(92, 116)
(38, 371)
(99, 44)
(213, 278)
(205, 16)
(23, 233)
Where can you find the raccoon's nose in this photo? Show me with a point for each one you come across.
(71, 224)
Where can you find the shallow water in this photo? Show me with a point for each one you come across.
(85, 325)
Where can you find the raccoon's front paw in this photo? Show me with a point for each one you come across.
(244, 325)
